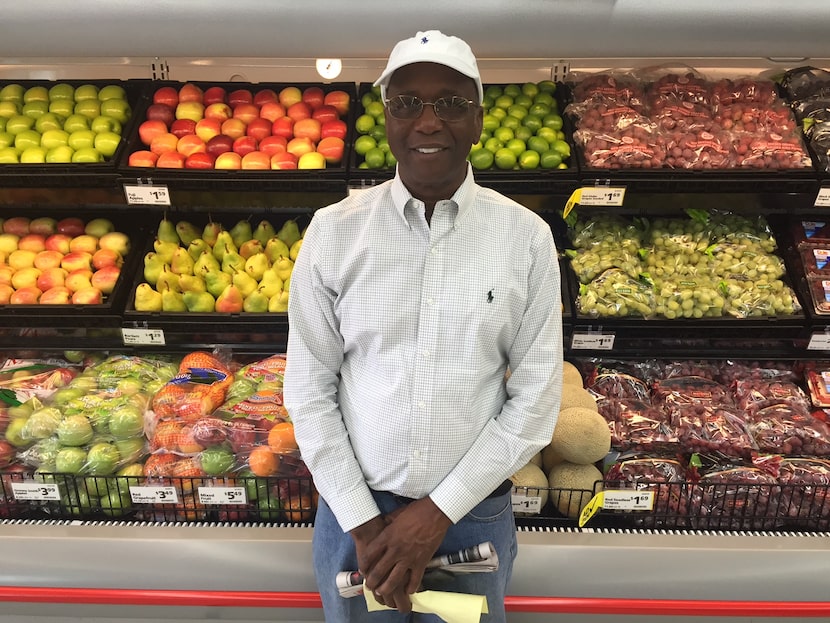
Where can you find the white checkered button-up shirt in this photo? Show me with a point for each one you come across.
(400, 335)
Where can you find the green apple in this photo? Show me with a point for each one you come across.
(35, 109)
(80, 139)
(87, 155)
(12, 93)
(8, 155)
(33, 155)
(118, 109)
(53, 138)
(107, 143)
(65, 395)
(86, 92)
(98, 486)
(116, 503)
(9, 109)
(48, 121)
(62, 108)
(36, 94)
(105, 124)
(126, 421)
(61, 91)
(75, 430)
(131, 449)
(102, 459)
(88, 108)
(6, 140)
(129, 475)
(112, 91)
(27, 138)
(76, 122)
(62, 154)
(19, 123)
(70, 460)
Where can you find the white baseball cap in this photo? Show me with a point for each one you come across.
(432, 46)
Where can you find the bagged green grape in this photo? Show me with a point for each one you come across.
(614, 293)
(688, 298)
(747, 299)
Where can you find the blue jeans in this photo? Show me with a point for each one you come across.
(492, 520)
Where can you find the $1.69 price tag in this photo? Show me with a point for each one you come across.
(526, 503)
(154, 495)
(222, 495)
(594, 196)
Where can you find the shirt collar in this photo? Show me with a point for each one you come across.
(463, 197)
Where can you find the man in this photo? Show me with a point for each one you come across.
(409, 302)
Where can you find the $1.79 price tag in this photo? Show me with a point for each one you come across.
(146, 194)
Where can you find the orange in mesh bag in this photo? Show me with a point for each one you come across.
(198, 389)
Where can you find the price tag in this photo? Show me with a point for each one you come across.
(35, 491)
(147, 194)
(222, 495)
(154, 495)
(819, 341)
(142, 337)
(595, 196)
(592, 341)
(823, 198)
(526, 503)
(628, 500)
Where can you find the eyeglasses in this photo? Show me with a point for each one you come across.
(449, 109)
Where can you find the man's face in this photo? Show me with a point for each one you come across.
(431, 153)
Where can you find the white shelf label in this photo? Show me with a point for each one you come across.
(601, 196)
(526, 503)
(154, 495)
(35, 491)
(592, 341)
(628, 500)
(147, 194)
(819, 341)
(222, 495)
(823, 198)
(142, 337)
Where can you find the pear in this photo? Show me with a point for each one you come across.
(264, 231)
(196, 247)
(255, 302)
(147, 299)
(165, 249)
(256, 265)
(244, 282)
(250, 247)
(187, 232)
(241, 232)
(172, 301)
(206, 263)
(224, 244)
(211, 231)
(286, 284)
(153, 265)
(294, 251)
(230, 301)
(200, 302)
(278, 302)
(283, 266)
(289, 233)
(233, 262)
(275, 248)
(216, 281)
(182, 263)
(192, 283)
(167, 231)
(167, 280)
(270, 284)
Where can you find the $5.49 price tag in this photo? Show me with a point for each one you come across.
(35, 491)
(154, 495)
(595, 196)
(617, 500)
(222, 495)
(146, 194)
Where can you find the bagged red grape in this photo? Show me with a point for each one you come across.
(709, 429)
(631, 149)
(700, 148)
(673, 113)
(756, 118)
(771, 150)
(619, 385)
(607, 86)
(664, 477)
(752, 395)
(784, 430)
(730, 371)
(688, 390)
(638, 426)
(745, 90)
(805, 492)
(705, 369)
(682, 84)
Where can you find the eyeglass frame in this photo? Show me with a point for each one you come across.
(415, 98)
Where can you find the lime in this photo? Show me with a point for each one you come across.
(375, 158)
(491, 122)
(545, 98)
(532, 122)
(539, 110)
(562, 147)
(550, 159)
(391, 161)
(529, 159)
(538, 144)
(367, 99)
(383, 143)
(517, 146)
(484, 136)
(560, 135)
(363, 144)
(493, 144)
(503, 101)
(381, 120)
(3, 121)
(553, 121)
(498, 113)
(493, 91)
(512, 90)
(481, 159)
(505, 158)
(378, 132)
(548, 134)
(363, 165)
(364, 123)
(504, 134)
(547, 86)
(487, 102)
(511, 122)
(523, 133)
(531, 89)
(517, 110)
(523, 100)
(375, 109)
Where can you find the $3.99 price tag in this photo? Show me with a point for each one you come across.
(35, 491)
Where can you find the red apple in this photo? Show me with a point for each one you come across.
(308, 128)
(71, 226)
(298, 111)
(87, 296)
(336, 128)
(199, 160)
(25, 296)
(148, 130)
(190, 110)
(45, 225)
(325, 113)
(233, 127)
(58, 242)
(259, 128)
(190, 92)
(228, 160)
(313, 96)
(21, 258)
(219, 145)
(214, 95)
(76, 260)
(290, 95)
(207, 128)
(272, 144)
(26, 277)
(284, 160)
(106, 257)
(312, 160)
(245, 112)
(240, 96)
(163, 143)
(57, 295)
(6, 292)
(332, 149)
(256, 160)
(183, 127)
(32, 242)
(167, 96)
(299, 145)
(170, 160)
(272, 111)
(78, 279)
(84, 243)
(161, 112)
(244, 145)
(48, 259)
(340, 100)
(105, 278)
(191, 144)
(51, 278)
(265, 96)
(6, 274)
(142, 158)
(17, 225)
(219, 111)
(284, 126)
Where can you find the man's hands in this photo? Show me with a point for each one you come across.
(393, 550)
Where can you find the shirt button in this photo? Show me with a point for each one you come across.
(416, 454)
(430, 302)
(421, 404)
(434, 250)
(425, 354)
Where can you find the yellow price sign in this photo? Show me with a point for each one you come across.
(594, 196)
(591, 508)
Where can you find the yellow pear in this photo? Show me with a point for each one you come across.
(283, 266)
(147, 299)
(294, 251)
(244, 282)
(256, 265)
(270, 284)
(278, 302)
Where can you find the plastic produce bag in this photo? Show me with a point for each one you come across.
(614, 293)
(664, 477)
(637, 425)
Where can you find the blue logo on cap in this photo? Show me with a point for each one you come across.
(424, 40)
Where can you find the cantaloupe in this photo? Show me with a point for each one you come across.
(571, 374)
(576, 396)
(550, 457)
(532, 482)
(536, 459)
(573, 486)
(581, 436)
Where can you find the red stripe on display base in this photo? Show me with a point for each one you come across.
(547, 605)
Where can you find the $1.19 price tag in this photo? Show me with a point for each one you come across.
(154, 495)
(222, 495)
(146, 194)
(35, 491)
(526, 503)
